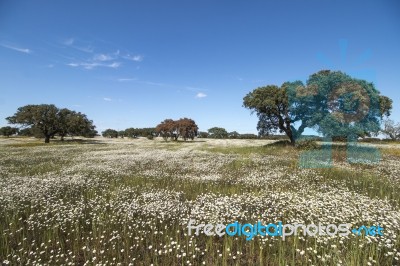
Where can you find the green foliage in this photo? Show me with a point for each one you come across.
(131, 132)
(217, 133)
(46, 120)
(331, 102)
(137, 132)
(202, 134)
(75, 123)
(121, 133)
(271, 103)
(8, 131)
(233, 135)
(110, 133)
(27, 132)
(345, 106)
(247, 136)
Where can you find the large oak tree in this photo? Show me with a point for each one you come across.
(48, 120)
(331, 102)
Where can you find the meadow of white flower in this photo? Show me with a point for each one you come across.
(128, 202)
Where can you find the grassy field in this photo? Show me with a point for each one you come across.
(128, 202)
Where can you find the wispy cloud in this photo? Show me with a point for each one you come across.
(87, 49)
(136, 58)
(126, 79)
(97, 58)
(103, 57)
(155, 83)
(16, 48)
(73, 64)
(107, 99)
(201, 95)
(92, 65)
(78, 45)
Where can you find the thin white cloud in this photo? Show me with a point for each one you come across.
(92, 65)
(201, 95)
(78, 45)
(154, 83)
(136, 58)
(73, 64)
(86, 49)
(107, 99)
(103, 57)
(16, 48)
(126, 79)
(114, 65)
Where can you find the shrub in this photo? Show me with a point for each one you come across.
(307, 144)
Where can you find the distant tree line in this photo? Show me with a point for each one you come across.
(184, 128)
(129, 133)
(222, 133)
(333, 103)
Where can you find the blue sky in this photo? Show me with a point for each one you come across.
(135, 63)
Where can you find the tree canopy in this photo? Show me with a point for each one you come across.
(8, 131)
(185, 128)
(217, 133)
(48, 120)
(110, 133)
(331, 102)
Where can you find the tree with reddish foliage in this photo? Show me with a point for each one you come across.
(184, 127)
(167, 129)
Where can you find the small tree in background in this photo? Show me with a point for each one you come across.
(8, 131)
(131, 132)
(217, 133)
(391, 130)
(202, 134)
(121, 134)
(167, 129)
(110, 133)
(185, 128)
(233, 135)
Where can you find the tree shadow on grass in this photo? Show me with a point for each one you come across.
(278, 144)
